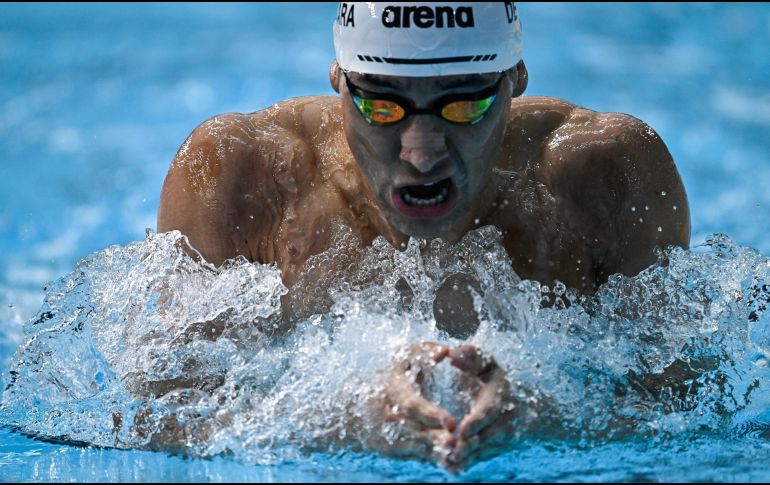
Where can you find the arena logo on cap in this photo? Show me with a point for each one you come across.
(427, 39)
(426, 17)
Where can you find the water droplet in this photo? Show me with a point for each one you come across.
(646, 208)
(674, 207)
(633, 209)
(663, 193)
(641, 220)
(660, 229)
(476, 221)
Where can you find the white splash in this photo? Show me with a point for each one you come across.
(142, 347)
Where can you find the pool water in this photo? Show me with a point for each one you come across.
(95, 101)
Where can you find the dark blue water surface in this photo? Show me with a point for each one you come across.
(96, 99)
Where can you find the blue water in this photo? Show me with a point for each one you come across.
(95, 100)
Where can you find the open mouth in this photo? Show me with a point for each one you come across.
(429, 200)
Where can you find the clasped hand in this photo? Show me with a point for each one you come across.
(430, 432)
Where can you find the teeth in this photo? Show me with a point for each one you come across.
(441, 197)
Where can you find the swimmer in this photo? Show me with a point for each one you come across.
(430, 137)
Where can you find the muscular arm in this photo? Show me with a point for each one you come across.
(199, 196)
(654, 211)
(228, 187)
(618, 180)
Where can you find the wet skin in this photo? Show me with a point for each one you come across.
(578, 196)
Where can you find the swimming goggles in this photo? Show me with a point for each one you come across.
(385, 109)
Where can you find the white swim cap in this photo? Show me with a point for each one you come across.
(419, 39)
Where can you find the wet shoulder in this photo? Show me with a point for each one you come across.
(238, 170)
(310, 118)
(540, 106)
(533, 119)
(229, 144)
(554, 136)
(315, 122)
(204, 157)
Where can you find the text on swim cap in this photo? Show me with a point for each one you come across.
(427, 39)
(510, 12)
(426, 17)
(345, 15)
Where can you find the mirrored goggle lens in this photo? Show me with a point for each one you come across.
(379, 111)
(467, 111)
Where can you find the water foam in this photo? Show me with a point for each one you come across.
(143, 347)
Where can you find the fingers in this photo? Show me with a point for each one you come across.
(494, 392)
(457, 459)
(420, 410)
(488, 444)
(488, 401)
(491, 403)
(404, 397)
(469, 358)
(489, 440)
(488, 422)
(424, 355)
(406, 402)
(431, 432)
(431, 444)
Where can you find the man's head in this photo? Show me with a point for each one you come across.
(426, 91)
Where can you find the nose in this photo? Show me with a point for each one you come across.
(423, 144)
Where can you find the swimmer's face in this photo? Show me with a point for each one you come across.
(428, 172)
